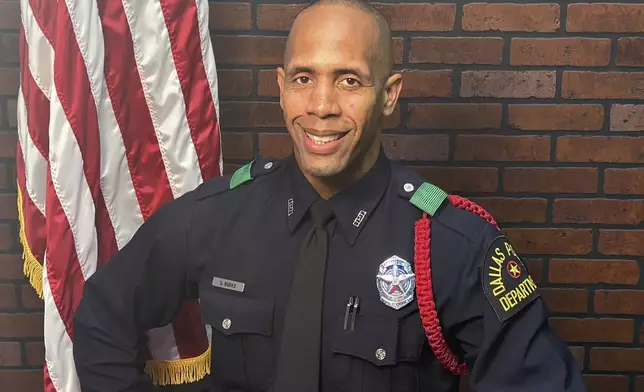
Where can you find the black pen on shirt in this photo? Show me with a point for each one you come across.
(353, 305)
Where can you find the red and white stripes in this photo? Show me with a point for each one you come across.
(117, 115)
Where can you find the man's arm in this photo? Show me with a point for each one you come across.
(501, 323)
(140, 288)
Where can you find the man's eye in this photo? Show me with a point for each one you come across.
(303, 80)
(351, 82)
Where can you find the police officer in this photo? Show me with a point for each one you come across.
(334, 269)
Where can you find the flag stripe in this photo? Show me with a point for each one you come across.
(163, 93)
(44, 12)
(142, 151)
(35, 229)
(185, 42)
(41, 52)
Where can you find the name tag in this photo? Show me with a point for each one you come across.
(228, 284)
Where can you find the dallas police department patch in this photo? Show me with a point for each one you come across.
(506, 282)
(396, 282)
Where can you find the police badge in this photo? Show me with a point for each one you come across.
(396, 282)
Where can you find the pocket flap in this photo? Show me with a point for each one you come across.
(375, 339)
(232, 314)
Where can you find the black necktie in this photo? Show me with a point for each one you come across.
(299, 360)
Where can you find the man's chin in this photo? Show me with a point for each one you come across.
(322, 166)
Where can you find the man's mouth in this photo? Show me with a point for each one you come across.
(325, 137)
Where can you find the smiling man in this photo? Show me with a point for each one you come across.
(334, 269)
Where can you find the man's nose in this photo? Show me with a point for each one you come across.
(323, 101)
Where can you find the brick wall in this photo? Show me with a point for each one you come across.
(532, 109)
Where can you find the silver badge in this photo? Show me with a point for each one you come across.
(228, 284)
(396, 282)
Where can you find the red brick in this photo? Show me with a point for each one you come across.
(624, 181)
(35, 354)
(10, 265)
(251, 114)
(606, 211)
(577, 52)
(4, 178)
(579, 354)
(23, 380)
(535, 268)
(617, 359)
(8, 299)
(6, 237)
(549, 117)
(621, 242)
(8, 144)
(619, 302)
(508, 84)
(237, 146)
(267, 83)
(275, 145)
(397, 47)
(639, 384)
(627, 118)
(9, 15)
(21, 325)
(511, 17)
(606, 383)
(551, 241)
(456, 50)
(248, 50)
(277, 17)
(10, 354)
(461, 179)
(416, 147)
(8, 209)
(12, 113)
(607, 18)
(630, 52)
(417, 83)
(419, 17)
(514, 210)
(230, 16)
(550, 180)
(235, 83)
(594, 330)
(502, 148)
(565, 300)
(615, 149)
(583, 271)
(9, 80)
(9, 48)
(602, 85)
(29, 298)
(454, 116)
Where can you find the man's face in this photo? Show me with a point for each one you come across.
(333, 90)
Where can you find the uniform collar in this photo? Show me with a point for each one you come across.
(353, 206)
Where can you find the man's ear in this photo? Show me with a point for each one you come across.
(393, 87)
(280, 83)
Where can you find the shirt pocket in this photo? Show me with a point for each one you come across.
(242, 340)
(379, 355)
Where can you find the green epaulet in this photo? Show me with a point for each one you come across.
(428, 197)
(243, 175)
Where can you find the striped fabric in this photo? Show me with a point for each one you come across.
(117, 115)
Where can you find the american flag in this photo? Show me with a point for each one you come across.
(117, 115)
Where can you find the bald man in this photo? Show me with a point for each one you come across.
(334, 269)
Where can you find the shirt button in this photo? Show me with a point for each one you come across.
(381, 354)
(408, 187)
(226, 323)
(268, 165)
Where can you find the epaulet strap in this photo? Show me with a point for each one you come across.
(429, 198)
(242, 175)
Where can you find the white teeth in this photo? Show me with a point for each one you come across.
(323, 139)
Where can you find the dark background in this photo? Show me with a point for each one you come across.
(533, 109)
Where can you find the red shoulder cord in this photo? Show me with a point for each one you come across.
(424, 290)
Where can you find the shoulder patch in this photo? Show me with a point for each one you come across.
(428, 197)
(244, 174)
(506, 282)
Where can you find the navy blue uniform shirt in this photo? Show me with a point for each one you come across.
(236, 249)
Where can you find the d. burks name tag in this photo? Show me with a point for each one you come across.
(228, 284)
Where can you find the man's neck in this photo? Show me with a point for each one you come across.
(327, 187)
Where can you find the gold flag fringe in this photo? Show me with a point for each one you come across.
(31, 266)
(180, 371)
(161, 372)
